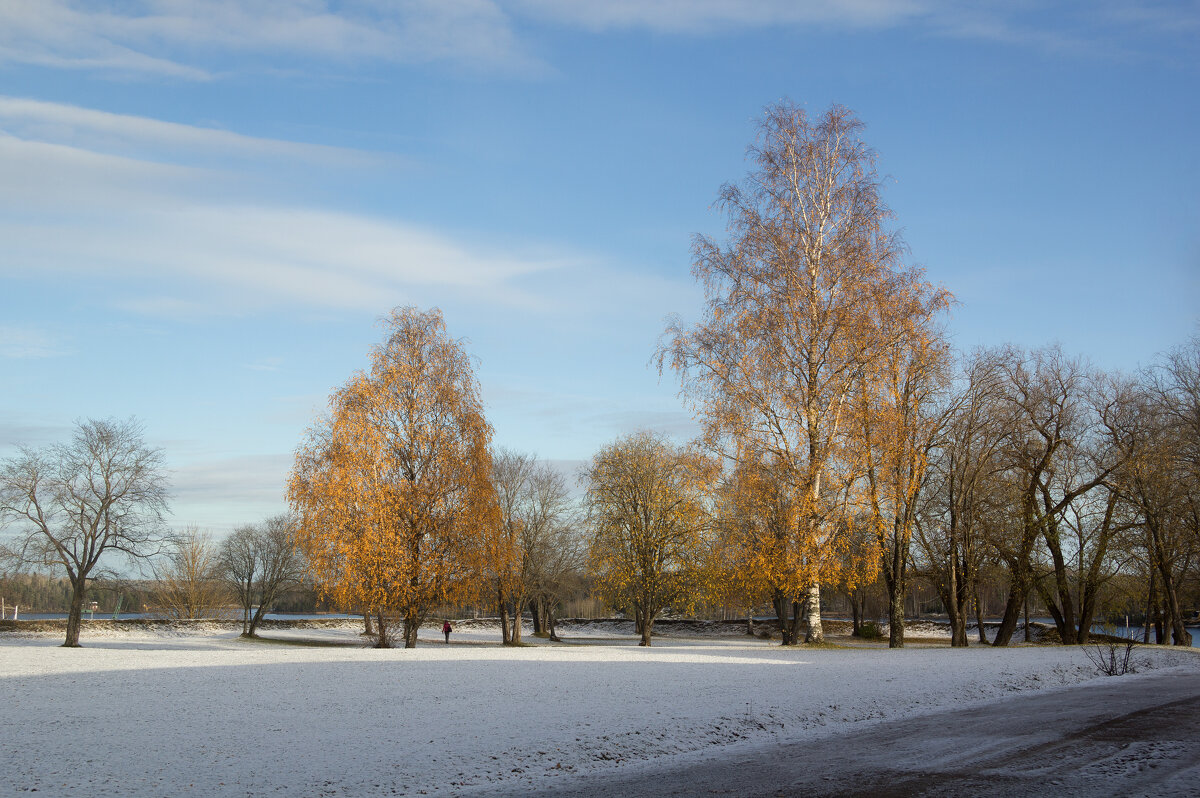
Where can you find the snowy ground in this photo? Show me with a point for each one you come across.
(164, 712)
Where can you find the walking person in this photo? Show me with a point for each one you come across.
(446, 630)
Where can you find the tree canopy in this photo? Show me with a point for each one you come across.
(392, 489)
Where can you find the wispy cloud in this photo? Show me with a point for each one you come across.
(88, 192)
(1096, 27)
(153, 139)
(28, 342)
(17, 432)
(182, 39)
(208, 40)
(708, 16)
(226, 492)
(71, 208)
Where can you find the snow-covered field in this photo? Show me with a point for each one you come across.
(164, 712)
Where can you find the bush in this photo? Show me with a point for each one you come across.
(1111, 654)
(869, 630)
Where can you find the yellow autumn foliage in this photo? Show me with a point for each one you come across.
(648, 514)
(392, 488)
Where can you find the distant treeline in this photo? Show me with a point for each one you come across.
(34, 592)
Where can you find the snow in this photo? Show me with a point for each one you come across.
(198, 711)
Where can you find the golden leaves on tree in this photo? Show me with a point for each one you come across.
(392, 488)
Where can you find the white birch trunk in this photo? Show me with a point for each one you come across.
(812, 610)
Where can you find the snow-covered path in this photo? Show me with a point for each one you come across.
(209, 714)
(1134, 736)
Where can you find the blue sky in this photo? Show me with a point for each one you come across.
(205, 206)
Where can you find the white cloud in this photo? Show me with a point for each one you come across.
(176, 38)
(123, 134)
(255, 256)
(201, 240)
(204, 39)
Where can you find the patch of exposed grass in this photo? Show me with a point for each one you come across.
(303, 642)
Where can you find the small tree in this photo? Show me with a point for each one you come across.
(532, 545)
(73, 503)
(189, 583)
(239, 564)
(260, 563)
(647, 512)
(1111, 653)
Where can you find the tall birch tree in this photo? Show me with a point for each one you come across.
(791, 323)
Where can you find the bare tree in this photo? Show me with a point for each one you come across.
(260, 562)
(963, 465)
(239, 566)
(1158, 479)
(511, 473)
(535, 517)
(189, 584)
(558, 557)
(103, 492)
(1046, 395)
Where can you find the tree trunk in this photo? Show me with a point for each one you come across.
(646, 621)
(979, 627)
(538, 624)
(1029, 637)
(788, 627)
(514, 635)
(1012, 611)
(812, 609)
(1062, 610)
(256, 619)
(1020, 567)
(855, 615)
(1170, 598)
(896, 618)
(412, 624)
(75, 616)
(381, 624)
(1089, 589)
(955, 614)
(1087, 610)
(1149, 608)
(505, 636)
(1066, 632)
(953, 596)
(894, 577)
(367, 630)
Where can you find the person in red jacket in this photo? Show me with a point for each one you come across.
(446, 630)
